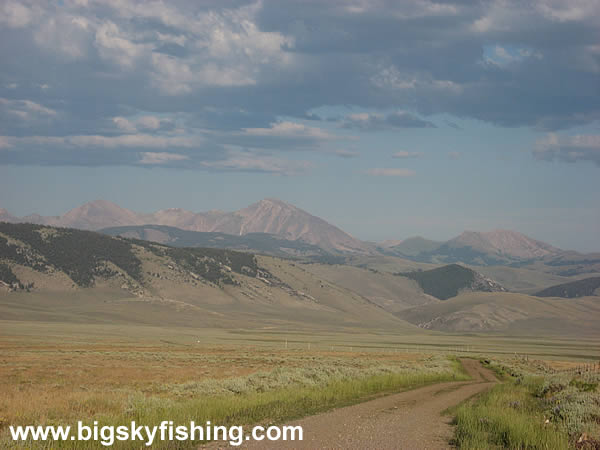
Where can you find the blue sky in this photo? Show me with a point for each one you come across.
(388, 119)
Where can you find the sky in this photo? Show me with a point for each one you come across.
(388, 119)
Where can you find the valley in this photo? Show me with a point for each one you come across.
(149, 321)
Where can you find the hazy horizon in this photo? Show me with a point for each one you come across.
(393, 238)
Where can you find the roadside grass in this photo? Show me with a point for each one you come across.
(246, 409)
(536, 407)
(507, 416)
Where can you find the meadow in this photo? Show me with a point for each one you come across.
(56, 373)
(59, 379)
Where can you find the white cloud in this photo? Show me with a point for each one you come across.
(152, 158)
(290, 129)
(257, 163)
(379, 121)
(64, 34)
(149, 122)
(171, 38)
(226, 48)
(406, 155)
(342, 153)
(171, 75)
(124, 124)
(132, 140)
(568, 148)
(26, 109)
(568, 11)
(4, 142)
(389, 172)
(143, 123)
(454, 155)
(111, 142)
(116, 46)
(15, 14)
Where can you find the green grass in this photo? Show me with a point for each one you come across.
(507, 416)
(273, 406)
(537, 407)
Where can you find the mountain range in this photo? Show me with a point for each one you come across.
(498, 247)
(267, 225)
(270, 216)
(68, 275)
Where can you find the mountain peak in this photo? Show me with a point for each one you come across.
(270, 202)
(504, 242)
(99, 214)
(5, 216)
(96, 206)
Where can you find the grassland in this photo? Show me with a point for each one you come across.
(57, 373)
(540, 405)
(60, 379)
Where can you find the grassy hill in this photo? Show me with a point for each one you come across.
(509, 313)
(391, 292)
(87, 277)
(447, 281)
(85, 255)
(82, 255)
(574, 289)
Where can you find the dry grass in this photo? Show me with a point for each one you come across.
(63, 382)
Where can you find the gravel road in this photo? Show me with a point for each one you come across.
(408, 420)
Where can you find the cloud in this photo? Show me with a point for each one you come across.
(454, 155)
(15, 14)
(282, 136)
(66, 35)
(289, 129)
(248, 73)
(142, 123)
(117, 47)
(136, 141)
(389, 172)
(25, 109)
(407, 155)
(160, 158)
(342, 153)
(568, 148)
(239, 162)
(4, 142)
(375, 121)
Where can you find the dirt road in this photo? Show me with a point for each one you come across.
(408, 420)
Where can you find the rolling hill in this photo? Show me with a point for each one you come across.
(391, 292)
(509, 313)
(448, 281)
(86, 277)
(573, 289)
